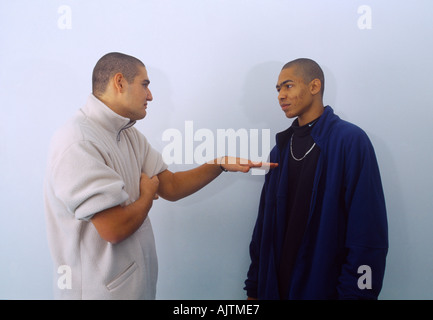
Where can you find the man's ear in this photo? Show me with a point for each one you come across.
(315, 86)
(119, 82)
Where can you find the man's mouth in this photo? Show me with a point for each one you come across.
(285, 106)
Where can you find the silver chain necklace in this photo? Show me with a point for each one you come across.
(291, 149)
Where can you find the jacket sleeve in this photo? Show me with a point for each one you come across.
(251, 284)
(367, 231)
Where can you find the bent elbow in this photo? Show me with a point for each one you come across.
(111, 235)
(112, 238)
(171, 198)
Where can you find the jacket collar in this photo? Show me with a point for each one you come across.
(320, 130)
(324, 126)
(97, 111)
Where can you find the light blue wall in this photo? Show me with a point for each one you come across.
(216, 62)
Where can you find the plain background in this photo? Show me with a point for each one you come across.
(216, 62)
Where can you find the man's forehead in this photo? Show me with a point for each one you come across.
(142, 73)
(287, 75)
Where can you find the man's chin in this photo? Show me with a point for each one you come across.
(141, 116)
(290, 115)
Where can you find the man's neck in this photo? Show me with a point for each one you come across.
(315, 112)
(108, 102)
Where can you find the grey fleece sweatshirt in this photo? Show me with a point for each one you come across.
(95, 163)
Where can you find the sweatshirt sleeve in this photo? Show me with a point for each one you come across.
(84, 183)
(153, 163)
(367, 232)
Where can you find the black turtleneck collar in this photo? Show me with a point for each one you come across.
(302, 131)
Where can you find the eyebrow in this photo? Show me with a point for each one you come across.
(283, 83)
(146, 81)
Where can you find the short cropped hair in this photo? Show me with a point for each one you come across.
(109, 65)
(308, 70)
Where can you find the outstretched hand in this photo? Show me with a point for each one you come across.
(234, 164)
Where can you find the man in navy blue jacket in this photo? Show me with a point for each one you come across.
(321, 230)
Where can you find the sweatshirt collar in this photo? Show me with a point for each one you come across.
(99, 112)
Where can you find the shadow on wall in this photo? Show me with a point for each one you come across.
(398, 265)
(259, 99)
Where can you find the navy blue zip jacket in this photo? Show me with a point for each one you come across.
(343, 252)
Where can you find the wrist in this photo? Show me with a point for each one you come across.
(218, 162)
(145, 201)
(221, 161)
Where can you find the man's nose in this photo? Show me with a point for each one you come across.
(149, 96)
(281, 95)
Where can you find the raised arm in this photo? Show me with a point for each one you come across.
(175, 186)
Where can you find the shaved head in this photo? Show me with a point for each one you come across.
(308, 70)
(111, 64)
